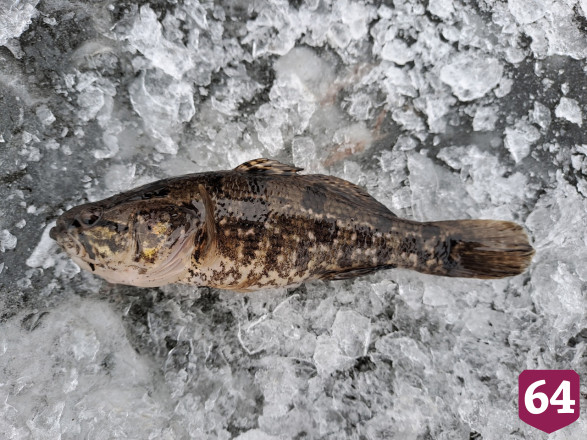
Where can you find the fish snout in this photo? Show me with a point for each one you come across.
(75, 219)
(61, 227)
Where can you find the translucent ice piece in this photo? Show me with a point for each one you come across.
(471, 76)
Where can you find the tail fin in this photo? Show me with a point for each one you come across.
(485, 248)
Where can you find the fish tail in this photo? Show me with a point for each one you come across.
(480, 249)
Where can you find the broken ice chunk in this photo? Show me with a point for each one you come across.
(441, 8)
(435, 108)
(146, 36)
(163, 103)
(46, 423)
(328, 356)
(485, 119)
(569, 109)
(352, 331)
(42, 255)
(360, 105)
(90, 100)
(397, 51)
(15, 18)
(403, 349)
(339, 35)
(307, 68)
(540, 115)
(471, 76)
(520, 138)
(45, 115)
(120, 177)
(564, 36)
(256, 434)
(357, 17)
(303, 150)
(527, 11)
(268, 126)
(7, 240)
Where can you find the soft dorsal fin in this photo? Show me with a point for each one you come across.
(266, 166)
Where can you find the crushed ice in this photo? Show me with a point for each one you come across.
(440, 109)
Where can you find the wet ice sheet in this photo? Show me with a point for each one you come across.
(440, 110)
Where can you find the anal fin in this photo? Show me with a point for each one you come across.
(346, 274)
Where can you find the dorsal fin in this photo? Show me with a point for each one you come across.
(266, 166)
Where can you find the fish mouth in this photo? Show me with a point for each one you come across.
(67, 241)
(60, 230)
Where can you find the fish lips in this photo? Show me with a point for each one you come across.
(58, 231)
(62, 235)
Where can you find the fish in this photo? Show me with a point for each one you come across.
(264, 224)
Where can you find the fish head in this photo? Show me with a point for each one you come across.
(136, 242)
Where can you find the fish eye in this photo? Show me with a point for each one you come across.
(89, 217)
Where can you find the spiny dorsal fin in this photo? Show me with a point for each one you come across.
(266, 166)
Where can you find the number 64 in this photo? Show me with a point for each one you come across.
(565, 402)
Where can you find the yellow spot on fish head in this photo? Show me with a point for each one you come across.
(160, 228)
(149, 254)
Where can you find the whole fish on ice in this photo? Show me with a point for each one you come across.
(264, 225)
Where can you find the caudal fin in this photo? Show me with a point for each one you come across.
(485, 248)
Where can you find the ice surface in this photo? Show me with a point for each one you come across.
(440, 109)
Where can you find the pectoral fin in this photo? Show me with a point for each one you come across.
(205, 241)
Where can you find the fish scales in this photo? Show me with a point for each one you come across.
(288, 228)
(264, 225)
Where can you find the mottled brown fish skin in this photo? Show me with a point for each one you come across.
(263, 225)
